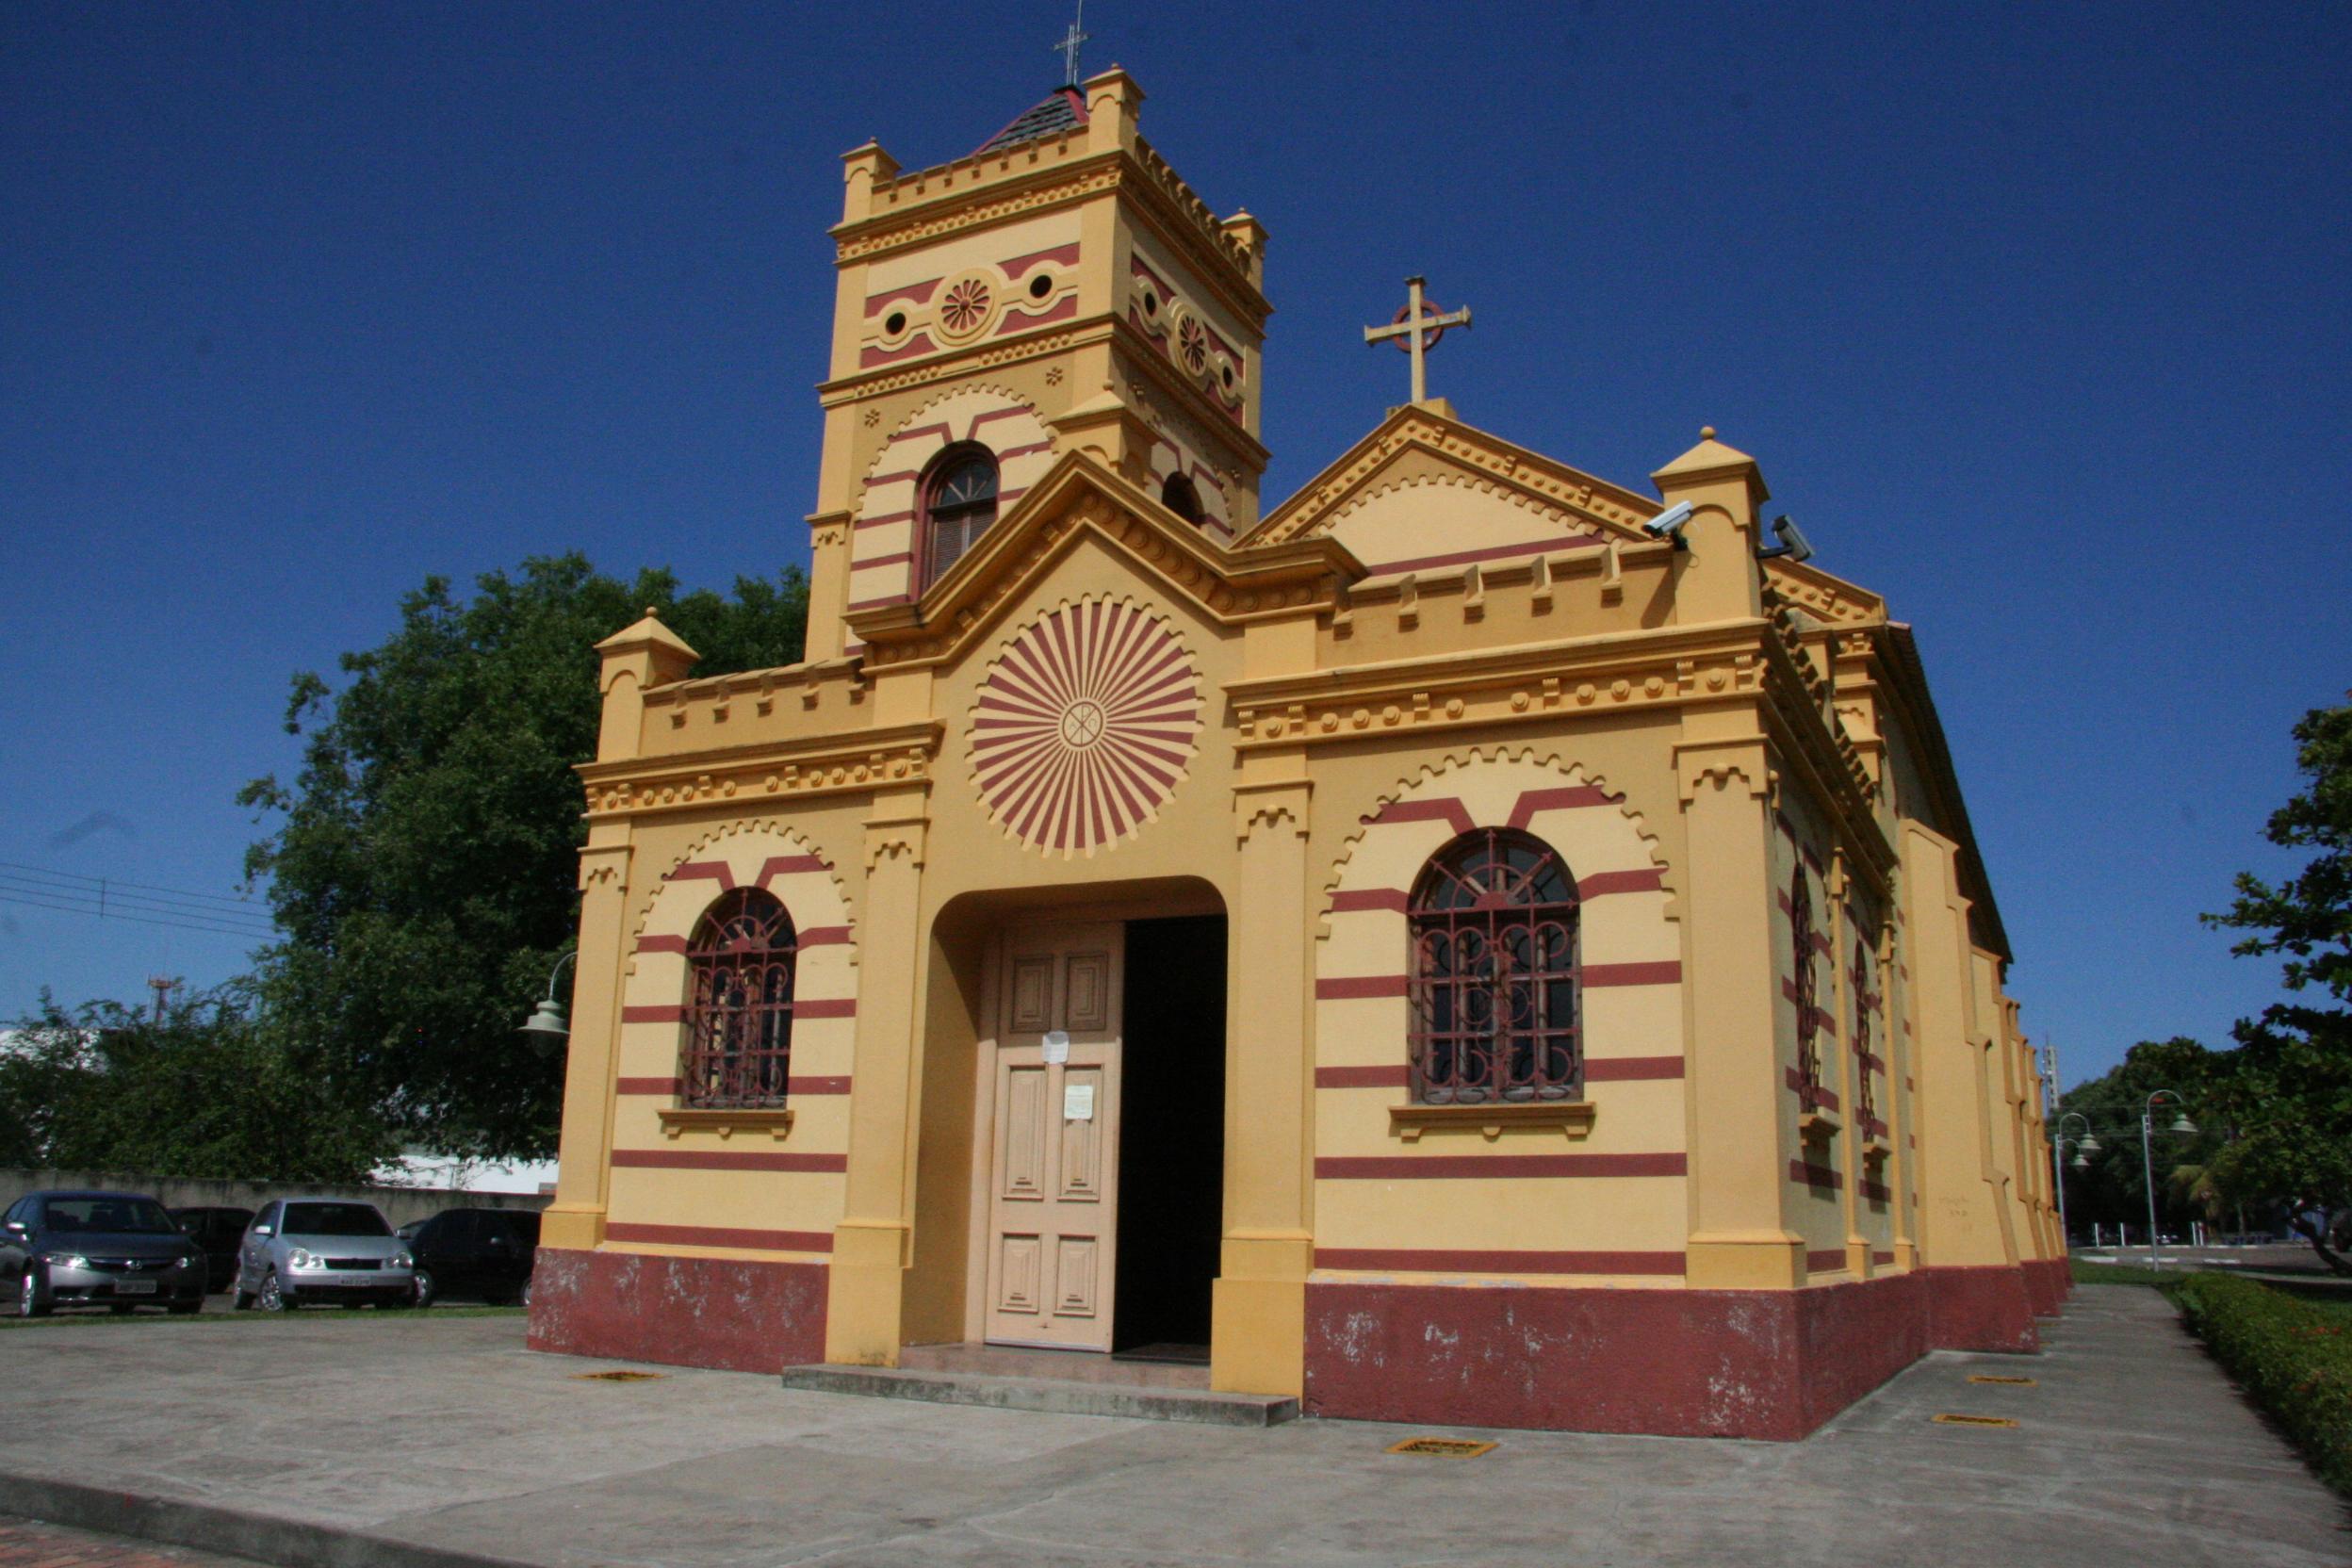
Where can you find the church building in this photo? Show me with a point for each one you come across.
(1472, 942)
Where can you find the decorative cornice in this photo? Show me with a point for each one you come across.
(1529, 682)
(856, 763)
(963, 362)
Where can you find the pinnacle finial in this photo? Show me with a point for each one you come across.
(1706, 432)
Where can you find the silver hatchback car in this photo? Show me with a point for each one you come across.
(300, 1250)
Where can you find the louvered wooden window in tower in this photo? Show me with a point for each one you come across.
(1495, 987)
(958, 504)
(739, 1013)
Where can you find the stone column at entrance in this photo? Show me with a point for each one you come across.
(871, 1247)
(1259, 1322)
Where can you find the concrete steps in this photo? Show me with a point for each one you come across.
(1052, 1396)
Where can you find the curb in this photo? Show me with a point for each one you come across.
(285, 1543)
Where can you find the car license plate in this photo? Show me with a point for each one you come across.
(134, 1287)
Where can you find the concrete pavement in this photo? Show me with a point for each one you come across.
(330, 1439)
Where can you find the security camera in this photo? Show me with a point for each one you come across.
(1792, 542)
(1670, 522)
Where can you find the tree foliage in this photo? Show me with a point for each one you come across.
(2294, 1062)
(2114, 1190)
(208, 1089)
(424, 862)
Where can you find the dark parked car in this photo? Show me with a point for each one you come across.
(218, 1230)
(113, 1250)
(483, 1253)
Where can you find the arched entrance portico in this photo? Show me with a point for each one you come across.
(1068, 1181)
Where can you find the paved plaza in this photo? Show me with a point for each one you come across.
(411, 1441)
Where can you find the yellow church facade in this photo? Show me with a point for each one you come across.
(1454, 951)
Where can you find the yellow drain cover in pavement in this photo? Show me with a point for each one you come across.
(1445, 1448)
(619, 1377)
(1991, 1377)
(1976, 1421)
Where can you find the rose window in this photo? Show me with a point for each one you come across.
(1085, 725)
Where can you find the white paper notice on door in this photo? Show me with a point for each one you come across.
(1077, 1102)
(1056, 1046)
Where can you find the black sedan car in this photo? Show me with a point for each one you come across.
(219, 1231)
(484, 1254)
(113, 1250)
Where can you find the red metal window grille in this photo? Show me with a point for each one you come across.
(1865, 1000)
(1808, 1014)
(1495, 991)
(958, 504)
(739, 1014)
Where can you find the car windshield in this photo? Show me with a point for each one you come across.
(335, 1219)
(135, 1216)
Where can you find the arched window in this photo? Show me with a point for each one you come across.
(739, 1004)
(1179, 496)
(1808, 1018)
(958, 504)
(1495, 984)
(1865, 1003)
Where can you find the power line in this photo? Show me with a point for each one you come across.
(175, 894)
(106, 900)
(72, 904)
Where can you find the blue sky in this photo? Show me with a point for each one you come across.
(2037, 320)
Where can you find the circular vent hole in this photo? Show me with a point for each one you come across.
(894, 323)
(1150, 303)
(1039, 287)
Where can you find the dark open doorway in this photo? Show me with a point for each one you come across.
(1172, 1136)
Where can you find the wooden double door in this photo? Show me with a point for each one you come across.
(1054, 1165)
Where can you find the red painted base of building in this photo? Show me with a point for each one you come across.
(2049, 1283)
(1771, 1364)
(734, 1316)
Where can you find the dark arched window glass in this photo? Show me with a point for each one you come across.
(1865, 1003)
(958, 504)
(1179, 496)
(1808, 1014)
(739, 1004)
(1495, 984)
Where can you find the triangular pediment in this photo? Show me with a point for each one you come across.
(1423, 489)
(1080, 499)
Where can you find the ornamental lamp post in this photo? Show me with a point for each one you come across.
(2181, 1125)
(549, 1026)
(2086, 1145)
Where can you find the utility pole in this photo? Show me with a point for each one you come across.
(163, 985)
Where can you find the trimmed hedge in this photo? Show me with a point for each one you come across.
(2293, 1356)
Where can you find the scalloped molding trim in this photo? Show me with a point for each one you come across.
(1007, 399)
(1511, 493)
(770, 827)
(1431, 772)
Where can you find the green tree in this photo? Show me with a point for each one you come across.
(2294, 1062)
(208, 1089)
(424, 862)
(2114, 1190)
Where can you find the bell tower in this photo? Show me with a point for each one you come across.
(1060, 289)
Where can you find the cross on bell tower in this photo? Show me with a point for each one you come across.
(1067, 48)
(1420, 326)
